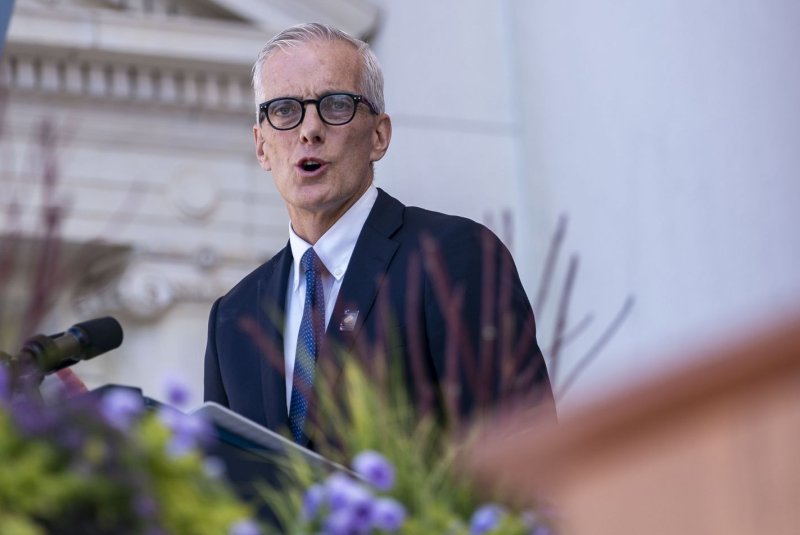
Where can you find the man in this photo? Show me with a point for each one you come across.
(379, 278)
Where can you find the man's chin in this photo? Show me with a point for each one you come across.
(312, 202)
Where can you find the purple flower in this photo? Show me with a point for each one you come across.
(361, 512)
(351, 505)
(375, 469)
(32, 419)
(245, 527)
(177, 392)
(338, 523)
(341, 490)
(188, 431)
(348, 522)
(71, 439)
(388, 514)
(313, 499)
(485, 519)
(5, 384)
(120, 407)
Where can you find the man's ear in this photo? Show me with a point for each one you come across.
(381, 136)
(261, 153)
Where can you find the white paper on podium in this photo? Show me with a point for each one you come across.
(259, 436)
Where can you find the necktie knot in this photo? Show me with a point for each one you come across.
(310, 261)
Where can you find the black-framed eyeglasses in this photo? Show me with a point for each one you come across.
(335, 109)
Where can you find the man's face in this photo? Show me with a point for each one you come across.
(344, 152)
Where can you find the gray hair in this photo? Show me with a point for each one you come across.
(371, 74)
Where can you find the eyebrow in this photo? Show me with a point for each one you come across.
(318, 96)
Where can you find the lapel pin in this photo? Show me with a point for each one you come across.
(348, 320)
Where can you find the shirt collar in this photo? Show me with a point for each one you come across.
(336, 246)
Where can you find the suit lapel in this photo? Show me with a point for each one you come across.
(271, 314)
(368, 265)
(366, 271)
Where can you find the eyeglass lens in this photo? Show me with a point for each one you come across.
(334, 109)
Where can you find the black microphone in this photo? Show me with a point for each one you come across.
(82, 341)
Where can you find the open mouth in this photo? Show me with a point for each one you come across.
(310, 165)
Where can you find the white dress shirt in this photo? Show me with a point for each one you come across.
(334, 250)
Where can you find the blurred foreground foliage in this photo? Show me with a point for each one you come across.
(404, 473)
(103, 465)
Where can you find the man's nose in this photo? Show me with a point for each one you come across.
(312, 129)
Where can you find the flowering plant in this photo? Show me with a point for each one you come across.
(412, 487)
(95, 464)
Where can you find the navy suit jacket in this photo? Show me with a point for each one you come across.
(440, 291)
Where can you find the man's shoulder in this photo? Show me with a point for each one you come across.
(416, 219)
(449, 231)
(423, 217)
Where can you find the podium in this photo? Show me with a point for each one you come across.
(251, 454)
(711, 449)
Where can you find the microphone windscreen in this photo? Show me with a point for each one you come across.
(98, 335)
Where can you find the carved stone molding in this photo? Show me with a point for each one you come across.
(48, 73)
(148, 284)
(186, 53)
(194, 193)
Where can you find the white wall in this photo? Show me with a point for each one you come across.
(447, 92)
(668, 133)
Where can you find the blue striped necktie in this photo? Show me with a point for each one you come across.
(312, 327)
